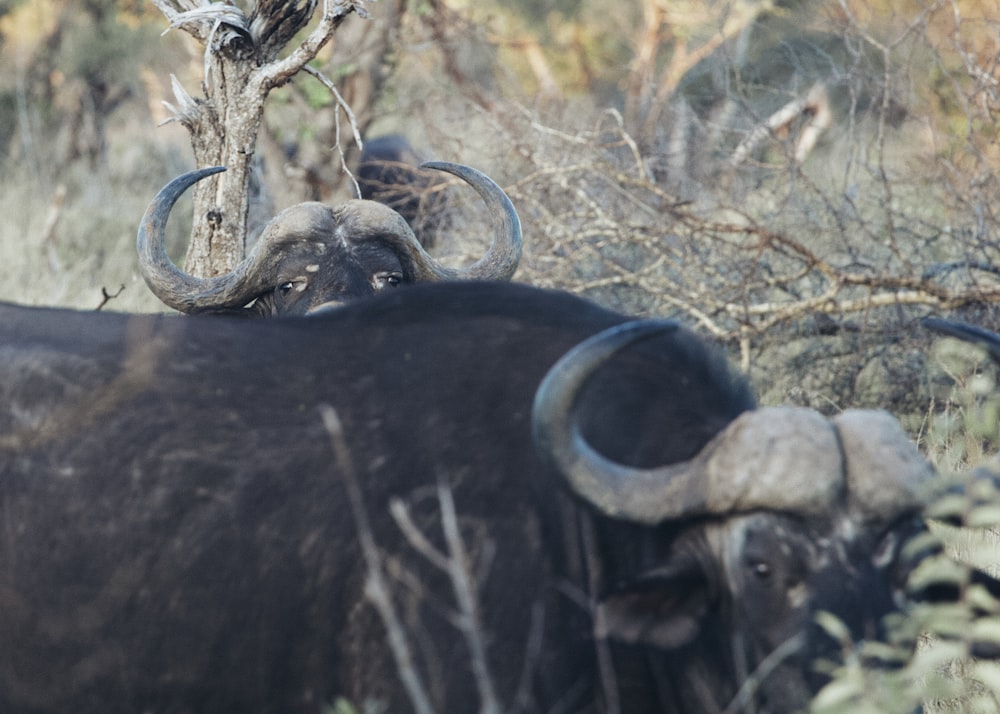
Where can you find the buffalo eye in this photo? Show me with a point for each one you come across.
(760, 569)
(288, 291)
(388, 280)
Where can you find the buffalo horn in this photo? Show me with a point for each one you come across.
(779, 458)
(503, 255)
(255, 273)
(172, 285)
(886, 475)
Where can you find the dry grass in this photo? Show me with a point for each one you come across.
(69, 235)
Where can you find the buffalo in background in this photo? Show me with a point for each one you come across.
(312, 256)
(389, 171)
(180, 535)
(986, 339)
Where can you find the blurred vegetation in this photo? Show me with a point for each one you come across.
(80, 153)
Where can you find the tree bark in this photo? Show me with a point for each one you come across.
(241, 68)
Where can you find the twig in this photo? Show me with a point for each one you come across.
(455, 564)
(401, 514)
(107, 297)
(376, 589)
(468, 603)
(532, 654)
(750, 685)
(49, 231)
(640, 165)
(346, 108)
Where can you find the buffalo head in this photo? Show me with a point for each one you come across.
(715, 568)
(311, 255)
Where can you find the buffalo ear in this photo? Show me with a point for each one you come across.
(663, 607)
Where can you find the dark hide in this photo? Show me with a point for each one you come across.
(175, 534)
(388, 172)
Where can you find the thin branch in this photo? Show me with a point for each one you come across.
(376, 589)
(415, 537)
(751, 684)
(351, 118)
(277, 73)
(107, 297)
(467, 601)
(456, 565)
(532, 655)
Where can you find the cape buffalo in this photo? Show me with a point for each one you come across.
(389, 171)
(184, 531)
(311, 256)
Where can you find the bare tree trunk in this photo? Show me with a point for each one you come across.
(241, 68)
(642, 75)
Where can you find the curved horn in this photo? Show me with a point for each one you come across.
(170, 284)
(504, 254)
(966, 332)
(778, 458)
(886, 474)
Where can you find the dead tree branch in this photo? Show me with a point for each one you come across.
(812, 110)
(241, 68)
(736, 275)
(107, 297)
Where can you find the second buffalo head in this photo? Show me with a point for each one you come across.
(312, 256)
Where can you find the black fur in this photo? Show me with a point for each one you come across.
(175, 536)
(388, 172)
